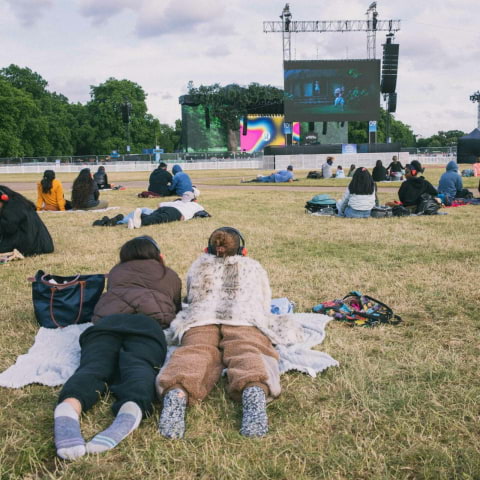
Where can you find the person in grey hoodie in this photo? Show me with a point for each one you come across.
(451, 182)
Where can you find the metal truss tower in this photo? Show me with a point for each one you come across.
(372, 25)
(475, 97)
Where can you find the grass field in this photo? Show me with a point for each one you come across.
(403, 404)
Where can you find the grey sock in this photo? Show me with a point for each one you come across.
(68, 438)
(254, 420)
(127, 420)
(172, 419)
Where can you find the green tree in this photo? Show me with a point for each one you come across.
(105, 112)
(398, 131)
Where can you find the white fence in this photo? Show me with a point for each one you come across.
(299, 162)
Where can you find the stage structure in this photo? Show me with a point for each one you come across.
(311, 100)
(372, 25)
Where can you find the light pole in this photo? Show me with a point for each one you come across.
(475, 98)
(126, 111)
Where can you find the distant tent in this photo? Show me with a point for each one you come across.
(468, 148)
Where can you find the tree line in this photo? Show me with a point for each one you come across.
(37, 122)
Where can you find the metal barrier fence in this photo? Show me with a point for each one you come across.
(149, 158)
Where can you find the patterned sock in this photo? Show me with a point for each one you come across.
(172, 419)
(68, 438)
(254, 420)
(127, 420)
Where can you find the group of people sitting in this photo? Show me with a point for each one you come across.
(360, 195)
(163, 184)
(85, 191)
(225, 325)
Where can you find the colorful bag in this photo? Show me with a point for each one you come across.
(62, 301)
(358, 309)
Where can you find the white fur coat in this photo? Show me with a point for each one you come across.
(234, 291)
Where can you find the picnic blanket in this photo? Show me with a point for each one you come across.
(78, 211)
(55, 354)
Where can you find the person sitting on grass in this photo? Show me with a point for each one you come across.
(282, 176)
(21, 228)
(412, 189)
(124, 349)
(85, 194)
(228, 296)
(451, 183)
(184, 208)
(379, 172)
(50, 193)
(159, 182)
(327, 168)
(395, 169)
(359, 197)
(352, 170)
(101, 179)
(340, 173)
(181, 182)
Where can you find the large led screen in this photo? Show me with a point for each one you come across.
(263, 131)
(329, 90)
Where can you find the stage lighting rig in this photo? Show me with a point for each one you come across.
(372, 25)
(475, 98)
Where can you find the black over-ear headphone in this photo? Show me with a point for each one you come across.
(3, 196)
(150, 240)
(241, 248)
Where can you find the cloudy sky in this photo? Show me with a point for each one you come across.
(162, 44)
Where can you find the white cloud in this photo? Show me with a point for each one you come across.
(29, 11)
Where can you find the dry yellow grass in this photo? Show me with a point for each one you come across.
(403, 404)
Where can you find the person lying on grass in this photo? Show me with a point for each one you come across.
(122, 350)
(181, 209)
(228, 296)
(282, 176)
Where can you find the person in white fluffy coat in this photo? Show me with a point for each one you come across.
(227, 324)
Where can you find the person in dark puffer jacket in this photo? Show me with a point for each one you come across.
(124, 349)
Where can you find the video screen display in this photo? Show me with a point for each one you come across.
(263, 131)
(332, 90)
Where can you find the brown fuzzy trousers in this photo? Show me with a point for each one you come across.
(197, 364)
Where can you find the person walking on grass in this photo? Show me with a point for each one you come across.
(228, 296)
(124, 349)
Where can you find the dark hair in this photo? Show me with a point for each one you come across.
(81, 188)
(330, 160)
(47, 180)
(19, 200)
(339, 167)
(101, 169)
(162, 165)
(416, 165)
(362, 182)
(379, 163)
(140, 248)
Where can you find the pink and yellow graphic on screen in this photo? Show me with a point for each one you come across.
(265, 131)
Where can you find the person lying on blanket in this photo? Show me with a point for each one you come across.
(124, 350)
(228, 297)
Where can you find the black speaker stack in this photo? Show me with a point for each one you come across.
(388, 83)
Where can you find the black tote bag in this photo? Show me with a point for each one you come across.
(61, 301)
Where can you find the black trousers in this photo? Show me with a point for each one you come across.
(161, 215)
(124, 352)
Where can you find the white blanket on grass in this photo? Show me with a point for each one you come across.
(55, 354)
(80, 211)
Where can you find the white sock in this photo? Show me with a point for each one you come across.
(127, 420)
(68, 438)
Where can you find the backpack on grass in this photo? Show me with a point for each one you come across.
(358, 309)
(321, 202)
